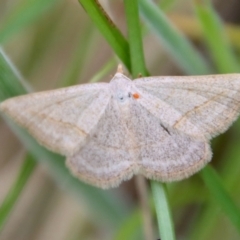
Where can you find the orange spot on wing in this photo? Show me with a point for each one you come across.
(136, 95)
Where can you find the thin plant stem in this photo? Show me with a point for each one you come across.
(17, 188)
(165, 223)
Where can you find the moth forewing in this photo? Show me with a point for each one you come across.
(159, 127)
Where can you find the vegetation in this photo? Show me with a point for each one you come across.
(60, 43)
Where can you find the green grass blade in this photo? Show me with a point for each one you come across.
(214, 184)
(205, 224)
(164, 218)
(25, 13)
(103, 202)
(174, 42)
(165, 5)
(135, 38)
(110, 32)
(216, 39)
(138, 65)
(14, 193)
(131, 229)
(11, 81)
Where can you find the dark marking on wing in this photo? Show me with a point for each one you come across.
(165, 129)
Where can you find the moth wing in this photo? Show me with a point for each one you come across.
(106, 160)
(196, 105)
(161, 152)
(60, 119)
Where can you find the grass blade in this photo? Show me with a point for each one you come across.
(110, 32)
(213, 182)
(138, 65)
(164, 218)
(14, 193)
(11, 81)
(25, 13)
(216, 38)
(175, 43)
(135, 38)
(131, 228)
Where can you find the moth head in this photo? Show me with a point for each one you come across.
(122, 88)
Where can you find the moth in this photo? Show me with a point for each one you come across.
(159, 127)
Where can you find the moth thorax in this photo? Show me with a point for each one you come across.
(123, 96)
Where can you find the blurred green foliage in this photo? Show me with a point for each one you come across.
(56, 40)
